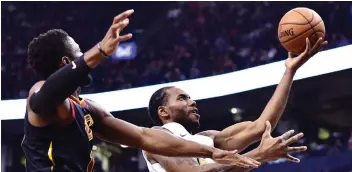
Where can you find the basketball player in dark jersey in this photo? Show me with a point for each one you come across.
(60, 126)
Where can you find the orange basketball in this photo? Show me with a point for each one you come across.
(297, 25)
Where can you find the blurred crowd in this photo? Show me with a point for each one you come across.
(192, 39)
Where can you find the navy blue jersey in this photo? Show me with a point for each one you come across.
(62, 146)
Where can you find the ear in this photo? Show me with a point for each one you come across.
(162, 111)
(65, 60)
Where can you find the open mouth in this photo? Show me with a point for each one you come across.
(194, 111)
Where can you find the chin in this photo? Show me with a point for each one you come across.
(191, 125)
(196, 123)
(195, 126)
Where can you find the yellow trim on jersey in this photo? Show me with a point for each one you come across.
(91, 162)
(77, 99)
(50, 153)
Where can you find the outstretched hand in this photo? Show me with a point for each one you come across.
(296, 62)
(233, 158)
(275, 148)
(113, 37)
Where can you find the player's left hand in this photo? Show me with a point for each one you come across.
(272, 149)
(233, 158)
(294, 63)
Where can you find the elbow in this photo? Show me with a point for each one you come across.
(35, 105)
(40, 106)
(257, 129)
(252, 130)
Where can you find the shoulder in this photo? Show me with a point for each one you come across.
(162, 128)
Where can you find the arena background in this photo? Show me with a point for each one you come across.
(175, 41)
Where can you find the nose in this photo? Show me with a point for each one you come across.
(193, 103)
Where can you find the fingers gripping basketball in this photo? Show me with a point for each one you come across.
(297, 25)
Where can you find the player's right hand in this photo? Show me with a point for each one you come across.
(113, 37)
(296, 62)
(233, 158)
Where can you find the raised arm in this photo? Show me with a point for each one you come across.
(46, 97)
(241, 135)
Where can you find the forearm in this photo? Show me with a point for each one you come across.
(160, 142)
(236, 137)
(222, 168)
(215, 167)
(63, 82)
(241, 135)
(254, 154)
(277, 103)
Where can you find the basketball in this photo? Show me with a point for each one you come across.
(297, 25)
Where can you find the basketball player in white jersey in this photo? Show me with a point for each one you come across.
(175, 112)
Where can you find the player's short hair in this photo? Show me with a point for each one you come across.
(159, 98)
(46, 51)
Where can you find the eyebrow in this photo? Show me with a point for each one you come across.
(184, 95)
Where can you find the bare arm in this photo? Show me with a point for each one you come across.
(157, 141)
(153, 140)
(241, 135)
(172, 164)
(270, 149)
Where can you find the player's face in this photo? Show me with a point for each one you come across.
(182, 108)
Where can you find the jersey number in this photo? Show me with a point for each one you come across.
(88, 122)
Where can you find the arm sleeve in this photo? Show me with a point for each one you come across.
(59, 86)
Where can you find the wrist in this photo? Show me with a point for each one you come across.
(290, 71)
(258, 155)
(208, 151)
(102, 52)
(93, 57)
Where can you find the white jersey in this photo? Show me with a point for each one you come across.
(180, 131)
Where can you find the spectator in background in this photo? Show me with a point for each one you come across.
(195, 39)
